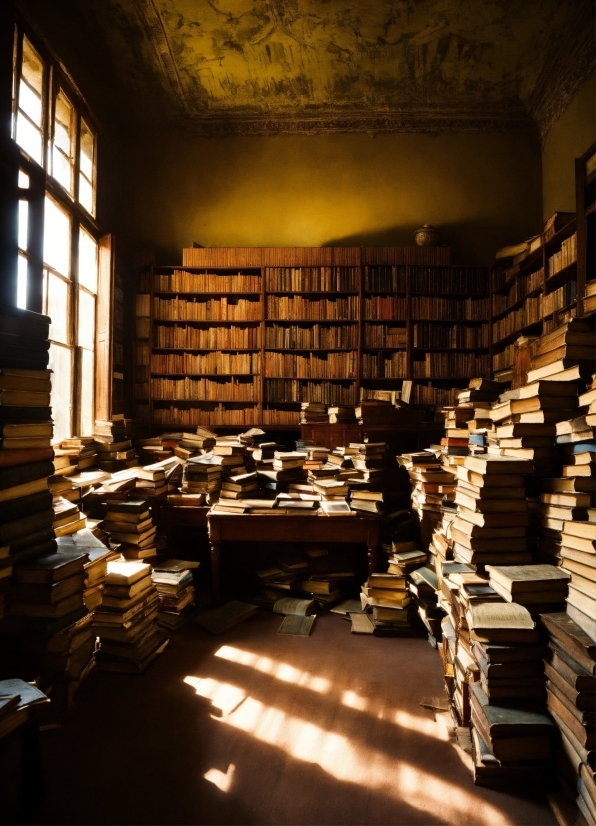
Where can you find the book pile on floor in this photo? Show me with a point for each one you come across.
(173, 581)
(126, 622)
(129, 522)
(95, 569)
(387, 598)
(114, 447)
(423, 586)
(81, 451)
(68, 518)
(571, 699)
(511, 733)
(430, 481)
(26, 514)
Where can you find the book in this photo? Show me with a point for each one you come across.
(297, 626)
(226, 616)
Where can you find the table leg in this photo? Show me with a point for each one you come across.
(216, 570)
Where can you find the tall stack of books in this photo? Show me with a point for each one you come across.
(386, 596)
(313, 412)
(539, 588)
(95, 568)
(571, 699)
(26, 514)
(130, 523)
(423, 585)
(511, 737)
(202, 475)
(173, 581)
(81, 450)
(126, 622)
(195, 444)
(430, 481)
(565, 354)
(492, 518)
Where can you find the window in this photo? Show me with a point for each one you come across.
(57, 267)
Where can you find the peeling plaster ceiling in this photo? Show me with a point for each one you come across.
(254, 66)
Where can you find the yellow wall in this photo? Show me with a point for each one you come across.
(567, 139)
(481, 190)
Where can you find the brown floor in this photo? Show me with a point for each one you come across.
(257, 728)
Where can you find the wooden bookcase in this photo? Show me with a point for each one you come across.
(240, 337)
(546, 287)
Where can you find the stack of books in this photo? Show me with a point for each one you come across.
(130, 523)
(26, 428)
(565, 354)
(126, 622)
(68, 518)
(202, 475)
(81, 450)
(506, 645)
(173, 581)
(570, 667)
(430, 481)
(342, 415)
(49, 587)
(539, 588)
(313, 412)
(492, 518)
(195, 444)
(423, 586)
(386, 597)
(96, 567)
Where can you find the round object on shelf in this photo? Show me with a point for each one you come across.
(427, 236)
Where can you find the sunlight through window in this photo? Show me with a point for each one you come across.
(280, 671)
(222, 780)
(225, 697)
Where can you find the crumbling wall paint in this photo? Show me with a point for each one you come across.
(569, 138)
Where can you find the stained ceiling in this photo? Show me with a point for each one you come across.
(258, 66)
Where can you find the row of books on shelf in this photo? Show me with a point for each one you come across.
(564, 257)
(389, 307)
(214, 362)
(428, 395)
(385, 335)
(181, 281)
(312, 279)
(451, 309)
(450, 336)
(386, 279)
(519, 289)
(311, 337)
(504, 359)
(451, 365)
(219, 389)
(388, 366)
(559, 299)
(208, 338)
(320, 366)
(194, 416)
(295, 390)
(530, 312)
(207, 309)
(283, 306)
(449, 279)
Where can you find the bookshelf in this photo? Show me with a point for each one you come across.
(240, 337)
(548, 284)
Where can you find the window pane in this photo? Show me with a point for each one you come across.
(57, 304)
(87, 156)
(23, 224)
(56, 238)
(61, 364)
(86, 165)
(30, 103)
(64, 141)
(86, 335)
(86, 194)
(29, 138)
(32, 68)
(86, 393)
(22, 282)
(23, 180)
(87, 261)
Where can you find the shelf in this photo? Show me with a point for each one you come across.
(384, 349)
(203, 401)
(483, 294)
(311, 350)
(312, 292)
(384, 292)
(204, 321)
(591, 208)
(308, 378)
(202, 294)
(385, 321)
(451, 320)
(205, 270)
(383, 378)
(207, 349)
(565, 232)
(510, 337)
(561, 277)
(440, 378)
(562, 309)
(207, 375)
(449, 349)
(311, 321)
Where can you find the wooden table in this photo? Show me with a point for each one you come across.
(258, 527)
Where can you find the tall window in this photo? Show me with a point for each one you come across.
(57, 178)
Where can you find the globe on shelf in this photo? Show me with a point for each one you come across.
(427, 236)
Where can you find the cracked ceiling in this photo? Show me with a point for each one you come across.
(271, 66)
